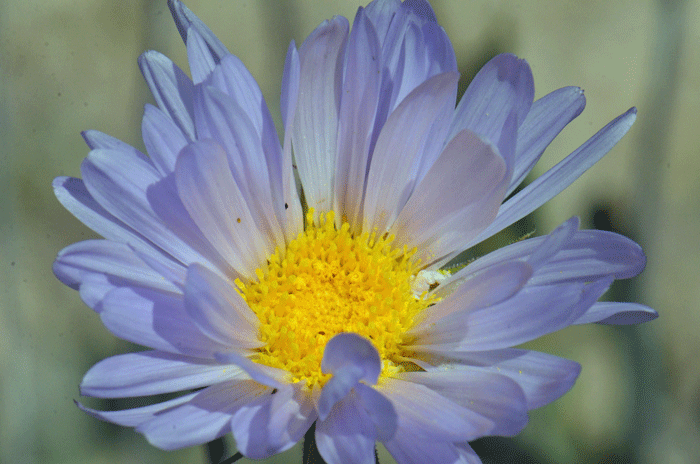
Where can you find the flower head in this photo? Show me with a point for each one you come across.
(316, 291)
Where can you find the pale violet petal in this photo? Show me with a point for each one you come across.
(208, 191)
(171, 88)
(74, 196)
(152, 373)
(265, 375)
(391, 179)
(503, 86)
(410, 446)
(247, 104)
(165, 203)
(218, 310)
(379, 409)
(96, 139)
(592, 255)
(583, 256)
(169, 269)
(414, 49)
(458, 197)
(233, 79)
(219, 117)
(614, 313)
(204, 418)
(201, 61)
(350, 358)
(546, 118)
(135, 416)
(495, 399)
(314, 128)
(185, 19)
(532, 312)
(155, 319)
(77, 263)
(273, 423)
(290, 85)
(553, 243)
(293, 214)
(479, 290)
(337, 388)
(162, 138)
(382, 14)
(467, 454)
(291, 414)
(358, 104)
(421, 58)
(438, 418)
(543, 377)
(348, 434)
(125, 186)
(548, 185)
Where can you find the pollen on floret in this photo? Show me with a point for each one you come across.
(329, 281)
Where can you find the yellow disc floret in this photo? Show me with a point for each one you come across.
(328, 281)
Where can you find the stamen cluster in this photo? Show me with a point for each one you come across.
(328, 281)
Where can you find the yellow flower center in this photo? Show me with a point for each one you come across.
(328, 281)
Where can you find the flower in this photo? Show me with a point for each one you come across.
(284, 295)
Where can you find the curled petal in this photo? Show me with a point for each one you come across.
(350, 358)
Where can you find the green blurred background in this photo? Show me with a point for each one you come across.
(66, 66)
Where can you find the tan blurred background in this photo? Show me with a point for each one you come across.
(66, 66)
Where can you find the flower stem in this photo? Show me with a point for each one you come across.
(310, 454)
(232, 459)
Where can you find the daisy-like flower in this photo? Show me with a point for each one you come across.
(282, 284)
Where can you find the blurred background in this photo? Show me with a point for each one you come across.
(66, 66)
